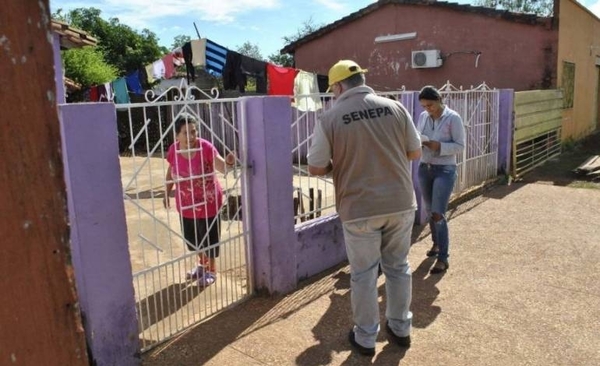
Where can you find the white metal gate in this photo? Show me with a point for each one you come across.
(314, 196)
(167, 303)
(480, 109)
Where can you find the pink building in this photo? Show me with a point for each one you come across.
(419, 42)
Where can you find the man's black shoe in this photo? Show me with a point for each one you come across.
(360, 349)
(403, 342)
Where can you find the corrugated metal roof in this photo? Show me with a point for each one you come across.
(72, 37)
(503, 14)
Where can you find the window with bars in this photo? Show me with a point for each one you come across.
(568, 84)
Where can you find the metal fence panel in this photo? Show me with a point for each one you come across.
(479, 107)
(167, 302)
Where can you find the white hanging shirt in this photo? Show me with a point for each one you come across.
(307, 83)
(158, 69)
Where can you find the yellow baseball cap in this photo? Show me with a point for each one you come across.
(342, 70)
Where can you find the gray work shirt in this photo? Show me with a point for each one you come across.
(367, 138)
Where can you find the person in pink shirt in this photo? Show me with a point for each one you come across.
(198, 194)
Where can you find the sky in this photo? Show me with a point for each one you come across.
(231, 23)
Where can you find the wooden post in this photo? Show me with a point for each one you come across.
(311, 203)
(296, 203)
(301, 204)
(319, 202)
(39, 316)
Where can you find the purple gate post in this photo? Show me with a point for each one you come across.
(99, 241)
(270, 190)
(505, 130)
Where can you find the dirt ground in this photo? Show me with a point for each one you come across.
(559, 171)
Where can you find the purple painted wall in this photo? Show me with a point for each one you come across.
(98, 232)
(319, 246)
(270, 192)
(58, 70)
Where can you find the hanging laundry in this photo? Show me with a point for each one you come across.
(306, 92)
(150, 73)
(198, 47)
(188, 55)
(120, 88)
(158, 69)
(323, 81)
(256, 69)
(281, 80)
(106, 93)
(94, 95)
(232, 73)
(143, 78)
(133, 82)
(169, 66)
(178, 59)
(101, 93)
(216, 55)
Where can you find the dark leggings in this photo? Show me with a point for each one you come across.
(202, 233)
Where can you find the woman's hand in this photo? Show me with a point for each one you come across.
(230, 159)
(432, 145)
(166, 202)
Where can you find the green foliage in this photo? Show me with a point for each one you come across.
(308, 26)
(282, 60)
(180, 40)
(251, 50)
(122, 47)
(87, 67)
(60, 16)
(539, 7)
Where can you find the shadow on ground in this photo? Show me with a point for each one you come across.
(217, 333)
(165, 302)
(558, 171)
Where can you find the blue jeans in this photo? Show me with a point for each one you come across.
(386, 240)
(437, 183)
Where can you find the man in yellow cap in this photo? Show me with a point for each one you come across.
(367, 142)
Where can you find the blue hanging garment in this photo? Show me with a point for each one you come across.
(216, 55)
(133, 82)
(120, 89)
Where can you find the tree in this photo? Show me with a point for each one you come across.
(308, 26)
(539, 7)
(282, 60)
(180, 40)
(251, 50)
(122, 47)
(87, 67)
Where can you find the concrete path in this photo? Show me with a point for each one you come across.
(523, 289)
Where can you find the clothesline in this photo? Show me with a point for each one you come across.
(217, 60)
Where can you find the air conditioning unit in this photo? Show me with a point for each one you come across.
(426, 58)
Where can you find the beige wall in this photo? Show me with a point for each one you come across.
(579, 42)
